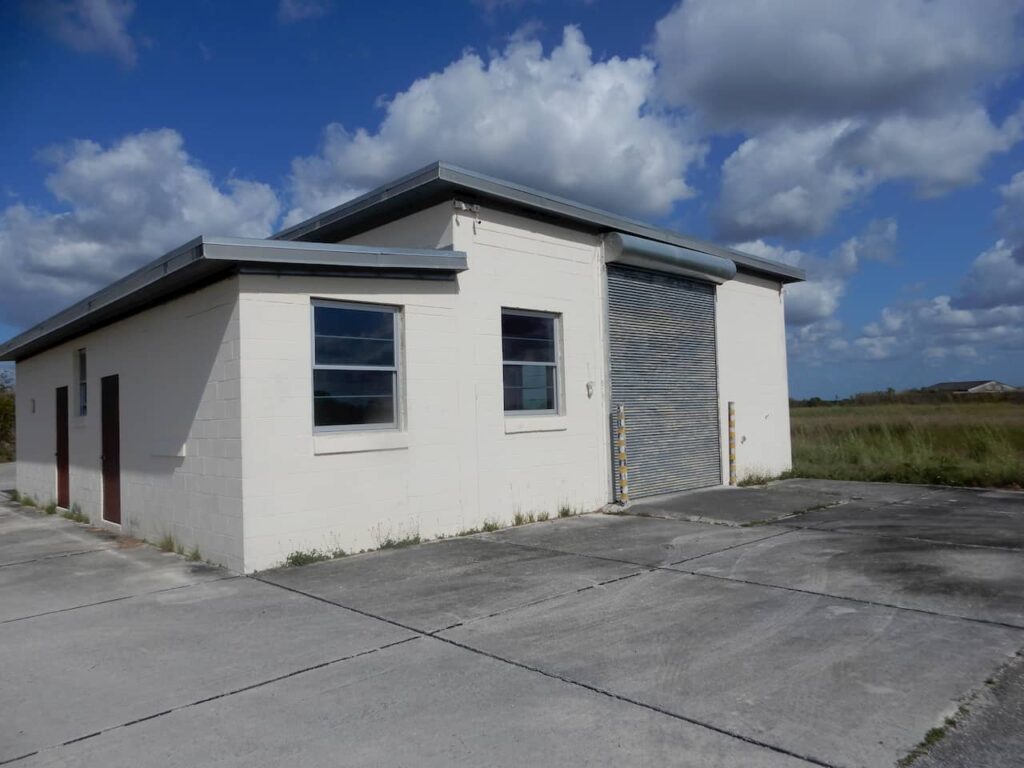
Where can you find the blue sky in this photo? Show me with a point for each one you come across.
(883, 151)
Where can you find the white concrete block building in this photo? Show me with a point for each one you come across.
(445, 350)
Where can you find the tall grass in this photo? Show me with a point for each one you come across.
(979, 444)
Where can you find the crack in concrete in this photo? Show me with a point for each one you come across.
(672, 568)
(567, 680)
(119, 599)
(623, 561)
(55, 556)
(921, 539)
(861, 601)
(217, 696)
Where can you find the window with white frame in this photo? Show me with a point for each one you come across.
(83, 388)
(355, 366)
(530, 354)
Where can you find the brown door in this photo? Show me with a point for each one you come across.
(63, 479)
(111, 439)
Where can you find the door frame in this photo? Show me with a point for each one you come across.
(110, 456)
(62, 452)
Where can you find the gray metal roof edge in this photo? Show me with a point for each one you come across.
(367, 200)
(571, 209)
(528, 197)
(219, 255)
(327, 254)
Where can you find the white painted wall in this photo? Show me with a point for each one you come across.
(457, 461)
(179, 388)
(429, 228)
(229, 366)
(752, 373)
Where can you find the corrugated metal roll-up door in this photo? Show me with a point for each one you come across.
(664, 371)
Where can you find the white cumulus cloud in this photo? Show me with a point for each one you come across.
(815, 301)
(983, 320)
(122, 206)
(831, 99)
(558, 120)
(91, 26)
(748, 62)
(289, 11)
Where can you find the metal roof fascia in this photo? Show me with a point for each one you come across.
(366, 201)
(206, 257)
(462, 180)
(304, 253)
(563, 207)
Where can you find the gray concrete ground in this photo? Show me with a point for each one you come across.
(803, 627)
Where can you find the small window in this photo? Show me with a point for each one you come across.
(355, 366)
(83, 390)
(529, 343)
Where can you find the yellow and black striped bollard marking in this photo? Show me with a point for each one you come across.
(732, 443)
(621, 450)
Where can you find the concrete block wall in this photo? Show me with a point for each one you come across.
(752, 373)
(229, 366)
(181, 460)
(457, 461)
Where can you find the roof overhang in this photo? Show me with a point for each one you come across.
(443, 182)
(207, 259)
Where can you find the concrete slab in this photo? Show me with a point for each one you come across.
(844, 683)
(853, 490)
(736, 506)
(642, 540)
(26, 536)
(953, 516)
(67, 675)
(62, 583)
(418, 704)
(972, 582)
(437, 585)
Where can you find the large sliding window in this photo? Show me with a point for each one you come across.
(529, 344)
(355, 366)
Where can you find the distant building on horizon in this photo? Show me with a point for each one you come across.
(971, 387)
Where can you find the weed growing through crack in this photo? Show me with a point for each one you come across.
(51, 508)
(756, 478)
(406, 541)
(491, 525)
(193, 555)
(75, 514)
(302, 557)
(167, 543)
(933, 737)
(522, 519)
(566, 511)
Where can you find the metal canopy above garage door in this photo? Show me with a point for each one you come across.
(664, 371)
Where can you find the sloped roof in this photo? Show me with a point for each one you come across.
(959, 386)
(441, 181)
(205, 259)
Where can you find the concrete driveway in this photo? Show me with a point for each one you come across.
(810, 623)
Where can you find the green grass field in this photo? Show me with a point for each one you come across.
(978, 444)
